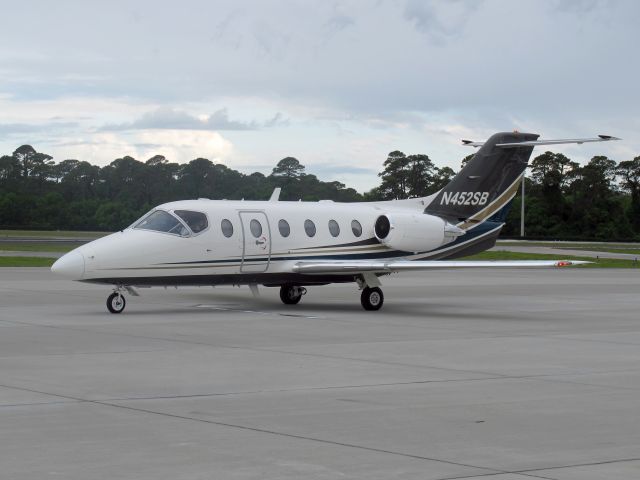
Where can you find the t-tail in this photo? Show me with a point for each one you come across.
(490, 180)
(487, 183)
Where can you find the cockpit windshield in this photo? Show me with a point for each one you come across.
(161, 221)
(197, 221)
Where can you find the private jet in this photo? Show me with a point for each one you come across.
(293, 245)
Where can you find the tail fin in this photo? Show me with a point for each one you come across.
(487, 183)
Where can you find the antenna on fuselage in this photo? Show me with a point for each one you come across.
(275, 195)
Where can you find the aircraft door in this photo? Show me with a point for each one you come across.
(256, 247)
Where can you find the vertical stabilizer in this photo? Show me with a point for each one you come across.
(487, 183)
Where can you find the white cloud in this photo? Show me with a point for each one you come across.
(178, 119)
(177, 145)
(356, 79)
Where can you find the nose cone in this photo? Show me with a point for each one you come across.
(70, 265)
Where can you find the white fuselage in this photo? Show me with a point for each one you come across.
(137, 253)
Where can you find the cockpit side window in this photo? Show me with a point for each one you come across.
(197, 221)
(161, 221)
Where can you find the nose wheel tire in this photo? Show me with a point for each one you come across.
(291, 295)
(116, 302)
(371, 298)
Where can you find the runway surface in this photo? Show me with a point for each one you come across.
(489, 374)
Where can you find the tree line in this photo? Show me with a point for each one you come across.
(600, 200)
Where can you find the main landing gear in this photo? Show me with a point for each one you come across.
(116, 302)
(290, 295)
(371, 298)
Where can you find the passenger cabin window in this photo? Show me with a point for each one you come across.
(161, 221)
(310, 228)
(284, 228)
(227, 228)
(356, 228)
(196, 221)
(334, 228)
(256, 228)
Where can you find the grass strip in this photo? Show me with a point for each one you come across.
(596, 262)
(50, 234)
(26, 261)
(629, 251)
(37, 247)
(570, 245)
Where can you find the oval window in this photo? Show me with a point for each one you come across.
(284, 228)
(310, 228)
(356, 228)
(334, 228)
(256, 228)
(227, 228)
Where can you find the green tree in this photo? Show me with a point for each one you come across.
(629, 171)
(395, 176)
(10, 170)
(34, 164)
(288, 167)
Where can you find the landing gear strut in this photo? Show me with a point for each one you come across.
(116, 302)
(290, 295)
(371, 298)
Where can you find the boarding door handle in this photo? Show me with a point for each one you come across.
(260, 242)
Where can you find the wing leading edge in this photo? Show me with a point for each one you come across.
(361, 266)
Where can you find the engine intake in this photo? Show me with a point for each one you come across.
(417, 232)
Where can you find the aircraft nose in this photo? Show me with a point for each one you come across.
(70, 265)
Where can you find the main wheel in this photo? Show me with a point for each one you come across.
(116, 302)
(371, 298)
(290, 295)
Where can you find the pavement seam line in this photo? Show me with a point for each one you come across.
(258, 430)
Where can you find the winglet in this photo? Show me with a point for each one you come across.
(568, 263)
(275, 195)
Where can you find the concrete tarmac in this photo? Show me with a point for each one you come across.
(492, 374)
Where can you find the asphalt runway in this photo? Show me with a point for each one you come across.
(493, 374)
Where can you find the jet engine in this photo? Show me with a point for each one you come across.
(414, 232)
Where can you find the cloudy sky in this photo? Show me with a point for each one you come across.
(337, 84)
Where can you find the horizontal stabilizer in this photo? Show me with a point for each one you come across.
(376, 266)
(471, 143)
(533, 143)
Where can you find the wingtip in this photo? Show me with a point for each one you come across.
(569, 263)
(608, 137)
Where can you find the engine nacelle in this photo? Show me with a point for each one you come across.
(414, 232)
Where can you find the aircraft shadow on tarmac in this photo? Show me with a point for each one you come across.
(220, 302)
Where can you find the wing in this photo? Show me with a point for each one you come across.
(361, 266)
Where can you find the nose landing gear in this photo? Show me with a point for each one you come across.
(116, 302)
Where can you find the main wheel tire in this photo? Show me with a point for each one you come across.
(290, 295)
(116, 302)
(371, 298)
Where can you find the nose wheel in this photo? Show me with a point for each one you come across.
(371, 298)
(116, 302)
(290, 295)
